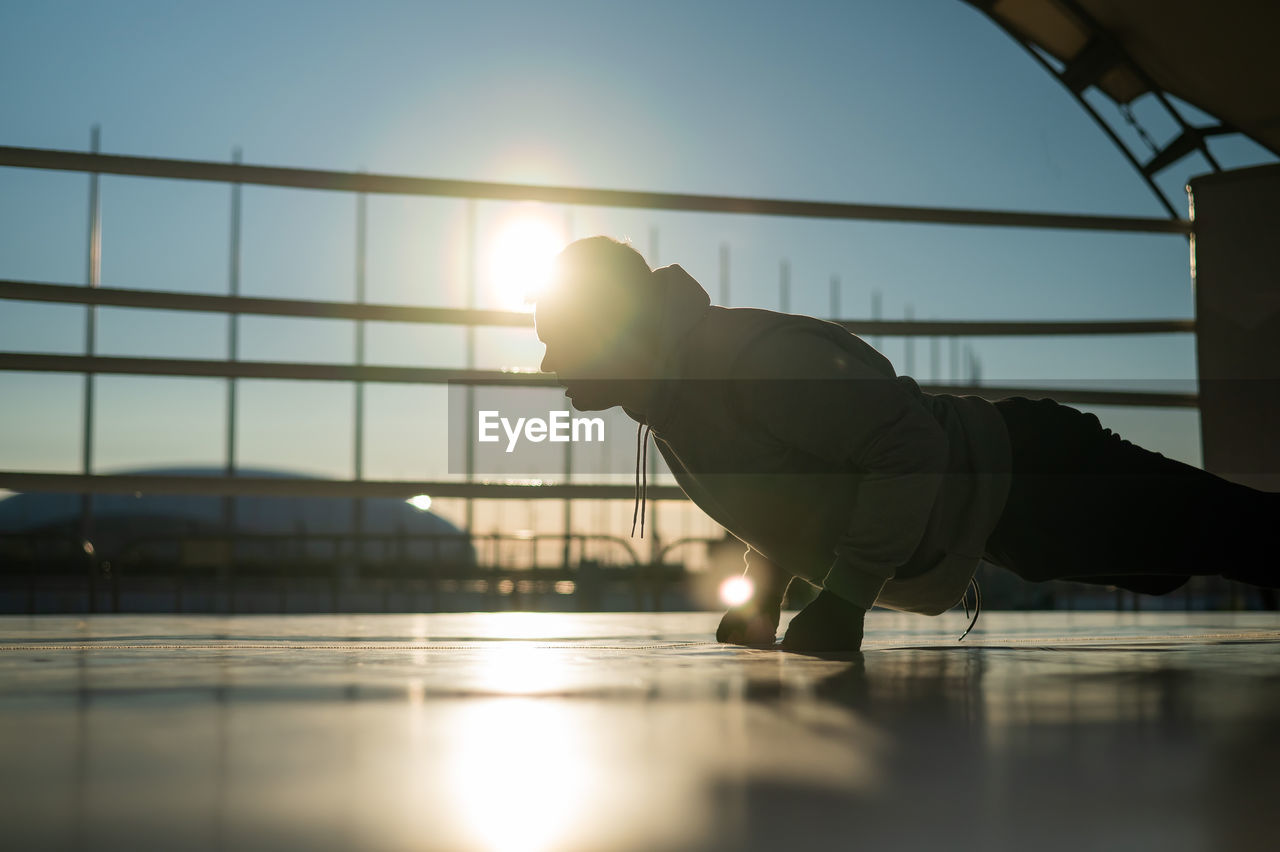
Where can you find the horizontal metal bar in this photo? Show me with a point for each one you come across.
(1009, 328)
(250, 486)
(42, 158)
(263, 370)
(422, 375)
(1083, 396)
(32, 291)
(163, 300)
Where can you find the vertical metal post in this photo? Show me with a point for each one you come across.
(469, 432)
(568, 508)
(568, 448)
(834, 307)
(909, 344)
(93, 273)
(357, 505)
(229, 520)
(875, 315)
(651, 508)
(233, 321)
(955, 360)
(784, 286)
(358, 441)
(724, 274)
(935, 362)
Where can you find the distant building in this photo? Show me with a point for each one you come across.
(181, 531)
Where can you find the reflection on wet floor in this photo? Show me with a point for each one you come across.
(626, 731)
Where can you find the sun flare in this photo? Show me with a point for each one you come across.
(735, 591)
(521, 255)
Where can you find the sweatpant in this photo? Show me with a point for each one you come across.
(1086, 505)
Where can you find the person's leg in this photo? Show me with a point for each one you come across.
(1145, 584)
(1089, 506)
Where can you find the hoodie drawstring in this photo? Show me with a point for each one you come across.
(642, 476)
(977, 605)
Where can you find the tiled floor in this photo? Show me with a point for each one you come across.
(595, 732)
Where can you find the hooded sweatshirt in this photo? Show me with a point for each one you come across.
(796, 436)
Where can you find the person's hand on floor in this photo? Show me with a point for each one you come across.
(755, 622)
(828, 623)
(752, 623)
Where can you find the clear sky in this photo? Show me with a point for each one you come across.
(913, 102)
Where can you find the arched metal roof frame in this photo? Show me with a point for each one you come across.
(1070, 42)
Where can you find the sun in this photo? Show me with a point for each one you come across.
(520, 257)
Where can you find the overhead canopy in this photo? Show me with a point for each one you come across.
(1220, 56)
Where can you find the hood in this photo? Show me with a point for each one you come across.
(682, 304)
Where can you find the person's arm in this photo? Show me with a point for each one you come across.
(755, 622)
(812, 395)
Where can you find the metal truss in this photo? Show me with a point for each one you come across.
(1102, 54)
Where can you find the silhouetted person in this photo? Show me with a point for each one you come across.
(796, 436)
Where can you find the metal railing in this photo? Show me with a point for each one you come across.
(361, 184)
(432, 566)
